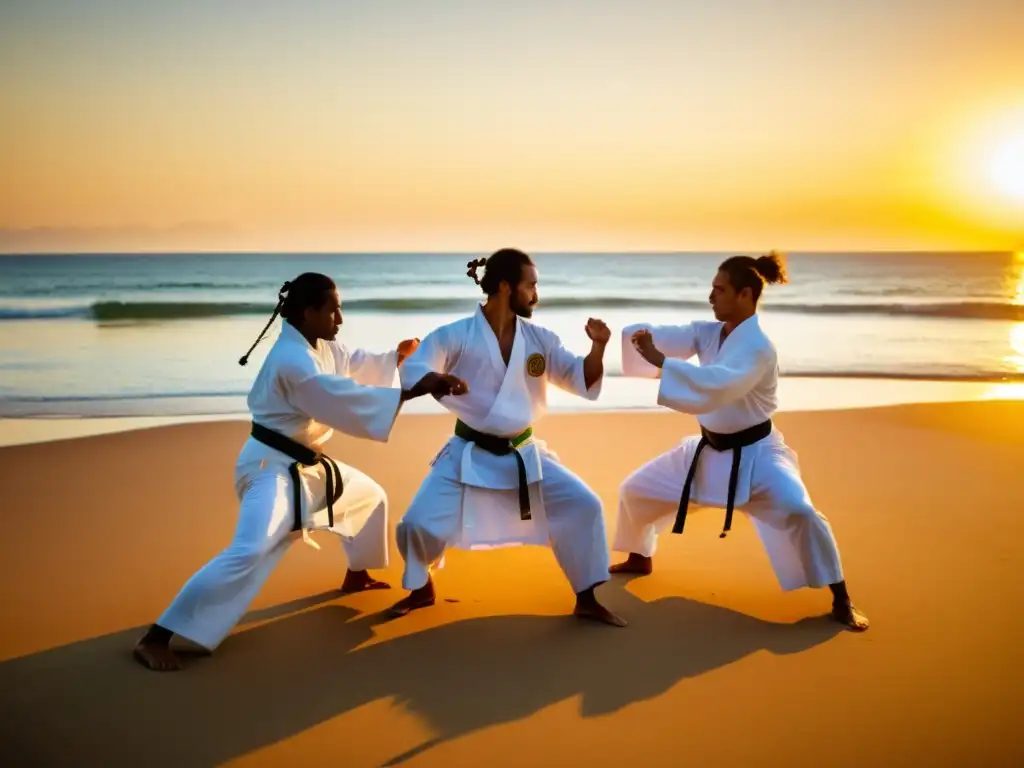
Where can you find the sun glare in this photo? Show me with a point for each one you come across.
(1004, 392)
(1006, 168)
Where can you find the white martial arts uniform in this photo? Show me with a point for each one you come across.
(304, 394)
(732, 389)
(470, 497)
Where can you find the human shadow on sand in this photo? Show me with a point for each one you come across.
(88, 703)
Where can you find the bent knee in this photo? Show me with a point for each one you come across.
(377, 493)
(360, 484)
(422, 519)
(587, 506)
(636, 493)
(423, 531)
(590, 503)
(244, 557)
(406, 526)
(577, 502)
(802, 510)
(632, 487)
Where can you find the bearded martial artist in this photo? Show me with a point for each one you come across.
(740, 459)
(309, 385)
(493, 483)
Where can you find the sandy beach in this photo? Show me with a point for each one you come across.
(717, 667)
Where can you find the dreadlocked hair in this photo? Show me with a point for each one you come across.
(309, 289)
(747, 272)
(505, 265)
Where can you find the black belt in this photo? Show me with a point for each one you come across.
(735, 442)
(502, 446)
(303, 457)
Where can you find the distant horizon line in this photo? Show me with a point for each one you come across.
(554, 252)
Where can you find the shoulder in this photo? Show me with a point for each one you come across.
(341, 353)
(288, 360)
(762, 345)
(337, 348)
(453, 330)
(706, 326)
(544, 336)
(694, 326)
(705, 330)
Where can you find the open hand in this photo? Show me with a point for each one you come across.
(597, 331)
(643, 340)
(406, 348)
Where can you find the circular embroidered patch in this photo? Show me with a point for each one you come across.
(535, 364)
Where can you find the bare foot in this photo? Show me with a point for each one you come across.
(587, 607)
(156, 656)
(848, 615)
(598, 613)
(195, 651)
(634, 564)
(361, 581)
(418, 598)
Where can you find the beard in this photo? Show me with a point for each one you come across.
(520, 309)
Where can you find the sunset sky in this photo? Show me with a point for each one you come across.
(555, 125)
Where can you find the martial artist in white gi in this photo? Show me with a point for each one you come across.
(309, 385)
(740, 460)
(493, 484)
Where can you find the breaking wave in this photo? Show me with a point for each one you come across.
(116, 311)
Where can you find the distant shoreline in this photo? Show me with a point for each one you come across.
(97, 337)
(796, 394)
(270, 253)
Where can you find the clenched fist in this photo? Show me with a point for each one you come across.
(644, 343)
(437, 385)
(597, 331)
(454, 385)
(406, 348)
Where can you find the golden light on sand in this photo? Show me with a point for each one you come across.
(1006, 168)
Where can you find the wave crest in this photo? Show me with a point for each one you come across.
(115, 311)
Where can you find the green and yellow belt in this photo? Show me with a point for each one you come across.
(502, 446)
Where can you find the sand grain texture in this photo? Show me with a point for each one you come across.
(718, 666)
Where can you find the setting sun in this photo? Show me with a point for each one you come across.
(619, 126)
(1007, 167)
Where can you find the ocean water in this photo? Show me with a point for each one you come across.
(108, 335)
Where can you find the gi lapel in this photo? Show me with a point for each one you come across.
(739, 336)
(513, 400)
(491, 340)
(321, 353)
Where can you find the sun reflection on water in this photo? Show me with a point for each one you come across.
(1018, 294)
(1014, 357)
(1015, 354)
